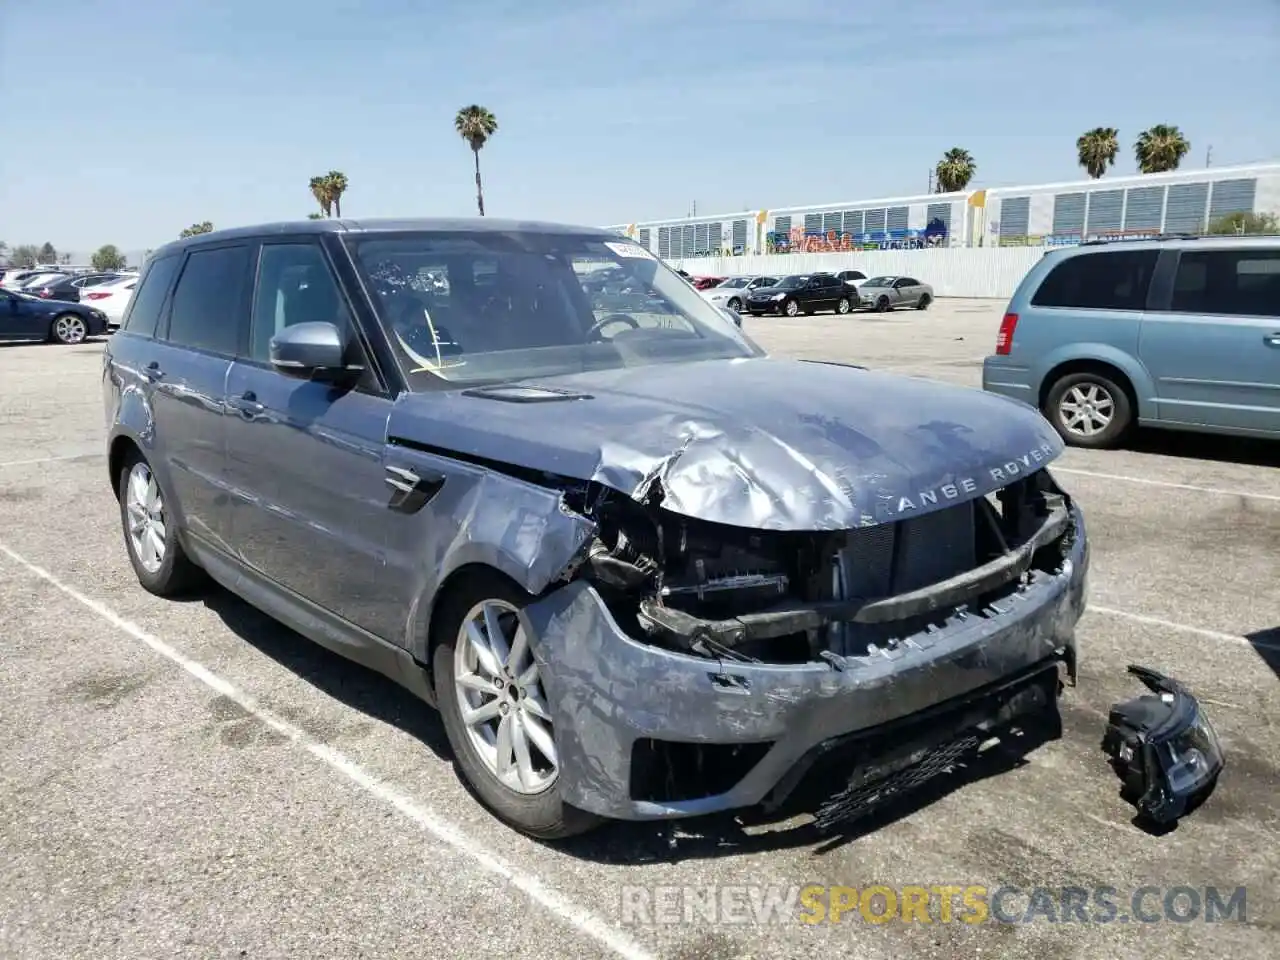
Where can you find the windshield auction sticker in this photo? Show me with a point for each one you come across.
(631, 250)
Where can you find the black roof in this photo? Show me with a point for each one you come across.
(383, 225)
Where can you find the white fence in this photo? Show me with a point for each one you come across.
(989, 272)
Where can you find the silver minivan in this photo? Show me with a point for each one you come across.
(1182, 333)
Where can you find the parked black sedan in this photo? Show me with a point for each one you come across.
(805, 293)
(68, 288)
(23, 317)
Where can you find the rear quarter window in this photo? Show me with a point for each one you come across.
(1108, 280)
(148, 297)
(1234, 282)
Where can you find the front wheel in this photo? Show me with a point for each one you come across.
(495, 711)
(68, 328)
(735, 305)
(1089, 410)
(882, 305)
(791, 308)
(843, 305)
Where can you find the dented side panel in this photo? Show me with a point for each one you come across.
(477, 516)
(607, 690)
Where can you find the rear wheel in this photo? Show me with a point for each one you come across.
(1089, 410)
(925, 300)
(843, 305)
(151, 534)
(495, 711)
(68, 328)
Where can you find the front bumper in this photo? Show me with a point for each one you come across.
(610, 694)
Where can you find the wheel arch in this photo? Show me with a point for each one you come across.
(1106, 368)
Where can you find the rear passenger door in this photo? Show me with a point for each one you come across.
(187, 369)
(1212, 342)
(305, 458)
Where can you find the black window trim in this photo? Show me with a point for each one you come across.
(162, 312)
(377, 384)
(167, 308)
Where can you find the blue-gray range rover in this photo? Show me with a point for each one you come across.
(642, 569)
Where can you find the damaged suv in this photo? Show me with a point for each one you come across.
(643, 569)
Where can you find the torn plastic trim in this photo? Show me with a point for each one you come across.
(782, 621)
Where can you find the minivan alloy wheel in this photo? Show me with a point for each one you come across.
(145, 507)
(1086, 409)
(501, 700)
(69, 328)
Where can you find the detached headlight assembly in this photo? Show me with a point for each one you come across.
(1163, 748)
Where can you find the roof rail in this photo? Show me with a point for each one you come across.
(1157, 236)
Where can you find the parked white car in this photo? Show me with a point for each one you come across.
(111, 298)
(732, 292)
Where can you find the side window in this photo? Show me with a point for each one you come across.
(144, 307)
(295, 285)
(910, 282)
(1237, 282)
(1111, 280)
(207, 301)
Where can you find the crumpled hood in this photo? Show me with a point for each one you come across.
(764, 442)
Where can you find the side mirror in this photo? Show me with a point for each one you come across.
(311, 351)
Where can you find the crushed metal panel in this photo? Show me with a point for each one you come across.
(763, 443)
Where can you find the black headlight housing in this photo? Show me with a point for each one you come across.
(1163, 748)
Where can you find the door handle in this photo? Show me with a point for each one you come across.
(1272, 339)
(153, 371)
(247, 404)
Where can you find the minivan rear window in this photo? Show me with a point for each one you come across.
(1243, 282)
(1107, 280)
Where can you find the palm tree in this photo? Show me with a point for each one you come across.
(1097, 149)
(1160, 148)
(475, 124)
(335, 182)
(955, 170)
(320, 190)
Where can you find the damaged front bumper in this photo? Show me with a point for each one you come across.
(648, 733)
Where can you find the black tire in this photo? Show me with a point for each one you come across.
(69, 329)
(1121, 419)
(791, 308)
(924, 302)
(882, 305)
(735, 305)
(843, 306)
(176, 575)
(543, 815)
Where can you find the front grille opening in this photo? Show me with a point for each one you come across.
(668, 771)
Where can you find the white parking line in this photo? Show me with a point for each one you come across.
(38, 460)
(584, 920)
(1183, 627)
(1218, 491)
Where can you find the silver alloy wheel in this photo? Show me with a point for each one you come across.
(501, 700)
(792, 308)
(145, 508)
(735, 305)
(70, 329)
(1086, 409)
(842, 305)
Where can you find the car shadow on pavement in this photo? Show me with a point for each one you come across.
(1206, 446)
(753, 831)
(356, 686)
(1266, 644)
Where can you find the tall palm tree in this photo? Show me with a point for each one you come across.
(1160, 148)
(320, 190)
(955, 170)
(1096, 150)
(335, 182)
(475, 124)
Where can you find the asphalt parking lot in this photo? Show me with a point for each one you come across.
(192, 780)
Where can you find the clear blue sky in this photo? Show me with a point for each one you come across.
(127, 121)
